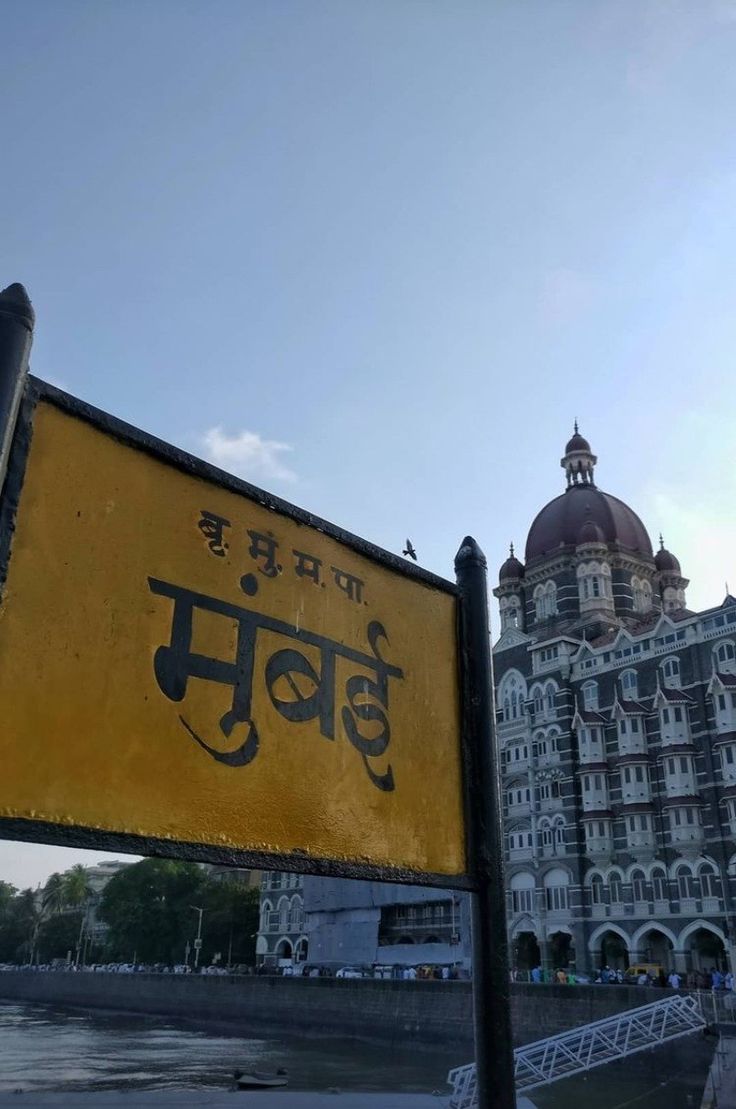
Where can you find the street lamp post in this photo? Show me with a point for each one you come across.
(198, 941)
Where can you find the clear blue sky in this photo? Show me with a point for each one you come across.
(376, 255)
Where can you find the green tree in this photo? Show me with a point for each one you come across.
(7, 896)
(58, 935)
(19, 926)
(148, 910)
(230, 923)
(76, 889)
(54, 895)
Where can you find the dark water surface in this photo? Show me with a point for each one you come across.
(48, 1048)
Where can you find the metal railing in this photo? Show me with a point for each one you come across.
(591, 1045)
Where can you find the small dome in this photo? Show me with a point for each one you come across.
(577, 443)
(591, 532)
(512, 569)
(665, 561)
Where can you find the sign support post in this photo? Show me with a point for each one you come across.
(16, 333)
(494, 1058)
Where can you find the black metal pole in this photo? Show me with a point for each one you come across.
(16, 333)
(494, 1055)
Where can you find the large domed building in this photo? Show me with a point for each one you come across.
(617, 735)
(589, 563)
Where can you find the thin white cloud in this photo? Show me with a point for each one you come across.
(248, 454)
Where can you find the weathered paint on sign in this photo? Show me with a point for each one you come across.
(179, 662)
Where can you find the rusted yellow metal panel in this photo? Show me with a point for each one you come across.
(180, 662)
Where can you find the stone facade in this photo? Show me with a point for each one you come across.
(617, 739)
(282, 938)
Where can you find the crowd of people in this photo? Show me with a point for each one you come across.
(712, 979)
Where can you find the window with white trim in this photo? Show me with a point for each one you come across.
(639, 885)
(671, 673)
(512, 695)
(660, 886)
(522, 901)
(710, 882)
(518, 795)
(685, 883)
(630, 685)
(590, 743)
(590, 696)
(725, 709)
(725, 657)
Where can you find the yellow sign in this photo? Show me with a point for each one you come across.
(181, 663)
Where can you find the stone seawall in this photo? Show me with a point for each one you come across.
(388, 1011)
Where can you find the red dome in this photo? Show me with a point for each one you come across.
(560, 523)
(666, 562)
(578, 443)
(512, 569)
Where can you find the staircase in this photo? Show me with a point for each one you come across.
(591, 1045)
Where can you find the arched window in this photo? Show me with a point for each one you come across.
(616, 889)
(545, 833)
(637, 595)
(556, 883)
(590, 696)
(518, 793)
(594, 582)
(510, 612)
(725, 657)
(559, 831)
(671, 673)
(266, 910)
(630, 685)
(538, 698)
(660, 885)
(549, 697)
(512, 695)
(296, 914)
(639, 885)
(596, 889)
(685, 883)
(642, 594)
(522, 892)
(710, 882)
(520, 838)
(545, 600)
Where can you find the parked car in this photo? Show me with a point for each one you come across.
(350, 972)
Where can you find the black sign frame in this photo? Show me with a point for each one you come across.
(484, 879)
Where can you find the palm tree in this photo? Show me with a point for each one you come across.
(77, 894)
(76, 887)
(31, 914)
(54, 897)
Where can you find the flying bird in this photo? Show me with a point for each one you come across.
(409, 550)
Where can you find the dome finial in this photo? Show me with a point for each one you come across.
(661, 542)
(578, 461)
(511, 550)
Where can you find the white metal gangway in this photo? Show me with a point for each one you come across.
(589, 1046)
